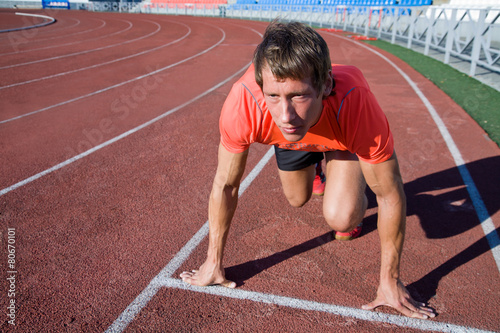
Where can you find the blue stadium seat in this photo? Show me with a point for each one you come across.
(245, 2)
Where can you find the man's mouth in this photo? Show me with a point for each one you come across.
(290, 130)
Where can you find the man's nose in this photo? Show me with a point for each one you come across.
(288, 113)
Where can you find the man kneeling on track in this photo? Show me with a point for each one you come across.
(292, 97)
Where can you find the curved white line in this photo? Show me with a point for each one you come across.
(101, 64)
(482, 212)
(64, 28)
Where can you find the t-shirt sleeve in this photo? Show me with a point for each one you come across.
(238, 123)
(365, 127)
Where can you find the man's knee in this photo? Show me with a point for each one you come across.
(344, 218)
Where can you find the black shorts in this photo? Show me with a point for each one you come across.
(292, 160)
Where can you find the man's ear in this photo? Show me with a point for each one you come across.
(328, 84)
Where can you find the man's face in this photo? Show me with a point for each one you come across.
(294, 105)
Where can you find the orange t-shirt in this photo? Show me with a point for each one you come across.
(351, 119)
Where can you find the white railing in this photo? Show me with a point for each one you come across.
(188, 8)
(471, 34)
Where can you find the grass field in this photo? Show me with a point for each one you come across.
(477, 99)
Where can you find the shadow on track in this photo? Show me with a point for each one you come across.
(450, 213)
(425, 288)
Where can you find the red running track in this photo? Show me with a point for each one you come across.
(108, 138)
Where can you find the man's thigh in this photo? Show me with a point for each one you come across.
(297, 185)
(297, 171)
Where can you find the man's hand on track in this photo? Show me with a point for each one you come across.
(207, 276)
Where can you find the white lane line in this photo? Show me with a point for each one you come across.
(103, 63)
(118, 84)
(344, 311)
(482, 212)
(62, 28)
(159, 280)
(115, 139)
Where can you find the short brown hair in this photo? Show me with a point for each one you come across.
(293, 51)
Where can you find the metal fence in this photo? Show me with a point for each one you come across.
(471, 34)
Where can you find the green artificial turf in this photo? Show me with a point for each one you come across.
(477, 99)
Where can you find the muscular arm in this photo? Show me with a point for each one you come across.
(222, 205)
(385, 181)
